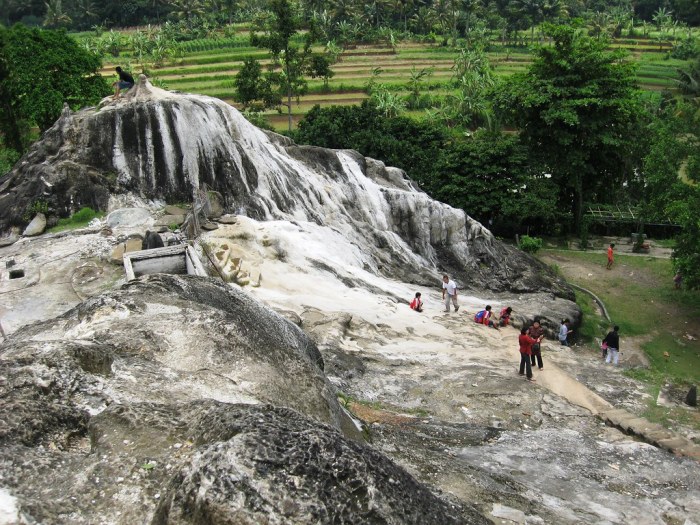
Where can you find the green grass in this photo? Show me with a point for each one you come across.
(79, 219)
(641, 299)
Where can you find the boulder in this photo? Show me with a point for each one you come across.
(692, 398)
(129, 218)
(36, 226)
(167, 220)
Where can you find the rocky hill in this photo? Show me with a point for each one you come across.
(308, 392)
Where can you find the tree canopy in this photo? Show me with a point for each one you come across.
(39, 71)
(578, 110)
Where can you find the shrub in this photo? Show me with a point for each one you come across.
(530, 244)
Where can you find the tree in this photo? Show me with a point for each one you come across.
(490, 177)
(254, 89)
(287, 56)
(578, 110)
(320, 67)
(672, 178)
(39, 71)
(55, 16)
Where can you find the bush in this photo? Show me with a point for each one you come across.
(530, 244)
(685, 49)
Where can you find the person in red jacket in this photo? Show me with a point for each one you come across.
(526, 343)
(504, 316)
(417, 303)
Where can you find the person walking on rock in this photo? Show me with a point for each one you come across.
(611, 256)
(613, 342)
(449, 293)
(526, 342)
(564, 332)
(536, 332)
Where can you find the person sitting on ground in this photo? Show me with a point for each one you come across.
(417, 304)
(484, 317)
(504, 316)
(613, 342)
(536, 332)
(126, 81)
(564, 332)
(526, 343)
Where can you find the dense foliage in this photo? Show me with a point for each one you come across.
(672, 170)
(578, 110)
(40, 70)
(488, 174)
(344, 20)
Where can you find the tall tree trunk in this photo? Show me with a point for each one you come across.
(289, 106)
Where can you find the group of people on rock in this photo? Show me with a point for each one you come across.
(531, 336)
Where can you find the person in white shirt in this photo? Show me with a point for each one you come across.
(449, 293)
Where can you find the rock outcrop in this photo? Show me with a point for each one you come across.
(173, 147)
(154, 404)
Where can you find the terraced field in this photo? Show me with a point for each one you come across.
(212, 72)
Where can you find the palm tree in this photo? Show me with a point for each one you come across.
(186, 9)
(88, 10)
(344, 10)
(55, 15)
(422, 20)
(661, 17)
(532, 9)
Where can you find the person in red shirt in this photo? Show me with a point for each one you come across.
(610, 256)
(504, 316)
(417, 303)
(526, 343)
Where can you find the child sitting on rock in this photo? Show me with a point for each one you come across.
(484, 317)
(504, 316)
(417, 303)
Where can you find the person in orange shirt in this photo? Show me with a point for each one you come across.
(610, 256)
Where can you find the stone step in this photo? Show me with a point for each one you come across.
(652, 433)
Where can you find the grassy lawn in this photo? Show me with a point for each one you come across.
(639, 296)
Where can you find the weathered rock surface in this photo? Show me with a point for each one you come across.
(137, 395)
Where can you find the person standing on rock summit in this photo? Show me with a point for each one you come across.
(449, 293)
(126, 81)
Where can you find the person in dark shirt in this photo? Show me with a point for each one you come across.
(126, 81)
(536, 332)
(613, 342)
